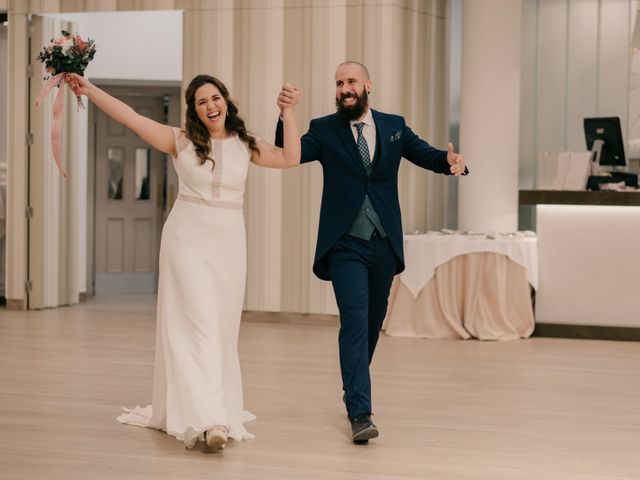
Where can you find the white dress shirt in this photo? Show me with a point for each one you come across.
(369, 131)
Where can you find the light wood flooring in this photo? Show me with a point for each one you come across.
(539, 409)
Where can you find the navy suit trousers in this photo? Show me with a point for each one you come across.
(361, 274)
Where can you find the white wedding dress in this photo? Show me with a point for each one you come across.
(197, 383)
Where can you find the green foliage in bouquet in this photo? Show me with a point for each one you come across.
(68, 53)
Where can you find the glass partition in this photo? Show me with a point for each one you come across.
(143, 172)
(3, 159)
(115, 157)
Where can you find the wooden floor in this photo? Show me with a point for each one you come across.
(538, 409)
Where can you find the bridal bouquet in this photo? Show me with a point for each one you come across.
(69, 53)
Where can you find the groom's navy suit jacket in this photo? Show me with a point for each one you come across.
(331, 142)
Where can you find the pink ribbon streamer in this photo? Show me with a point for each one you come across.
(58, 111)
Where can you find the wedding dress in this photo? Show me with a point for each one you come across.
(197, 383)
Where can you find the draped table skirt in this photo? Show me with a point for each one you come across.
(480, 294)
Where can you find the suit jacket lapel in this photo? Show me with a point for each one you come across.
(344, 132)
(381, 138)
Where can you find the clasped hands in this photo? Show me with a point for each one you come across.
(288, 97)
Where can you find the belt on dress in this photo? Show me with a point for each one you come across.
(210, 203)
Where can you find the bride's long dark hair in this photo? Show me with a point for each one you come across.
(198, 133)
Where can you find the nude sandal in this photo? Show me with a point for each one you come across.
(217, 437)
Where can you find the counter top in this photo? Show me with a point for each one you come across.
(585, 197)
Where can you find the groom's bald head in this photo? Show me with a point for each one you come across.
(364, 71)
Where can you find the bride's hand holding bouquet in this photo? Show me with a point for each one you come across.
(78, 84)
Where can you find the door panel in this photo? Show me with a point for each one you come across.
(128, 204)
(143, 236)
(115, 246)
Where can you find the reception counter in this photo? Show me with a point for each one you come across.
(589, 257)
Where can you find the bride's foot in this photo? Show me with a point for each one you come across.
(217, 437)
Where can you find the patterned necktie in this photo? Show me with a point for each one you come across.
(363, 148)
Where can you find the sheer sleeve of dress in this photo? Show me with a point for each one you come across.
(181, 140)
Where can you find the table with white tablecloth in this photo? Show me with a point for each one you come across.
(465, 286)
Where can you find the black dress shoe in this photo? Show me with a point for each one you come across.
(363, 429)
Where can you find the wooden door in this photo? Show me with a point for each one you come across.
(128, 203)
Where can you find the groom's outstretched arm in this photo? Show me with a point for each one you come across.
(420, 153)
(310, 144)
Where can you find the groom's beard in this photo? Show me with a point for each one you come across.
(355, 111)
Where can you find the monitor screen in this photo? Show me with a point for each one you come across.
(608, 130)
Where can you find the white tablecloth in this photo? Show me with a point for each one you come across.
(424, 253)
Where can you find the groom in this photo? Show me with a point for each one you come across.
(359, 246)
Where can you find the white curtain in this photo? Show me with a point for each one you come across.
(404, 45)
(57, 204)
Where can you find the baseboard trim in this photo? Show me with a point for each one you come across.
(82, 297)
(553, 330)
(587, 332)
(290, 318)
(15, 304)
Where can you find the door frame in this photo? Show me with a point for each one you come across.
(172, 117)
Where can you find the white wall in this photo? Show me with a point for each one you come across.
(489, 115)
(576, 62)
(133, 45)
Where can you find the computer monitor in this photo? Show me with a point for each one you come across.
(604, 139)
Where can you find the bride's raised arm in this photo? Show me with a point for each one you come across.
(288, 156)
(158, 135)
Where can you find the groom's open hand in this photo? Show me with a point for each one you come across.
(456, 161)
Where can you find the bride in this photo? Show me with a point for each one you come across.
(197, 386)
